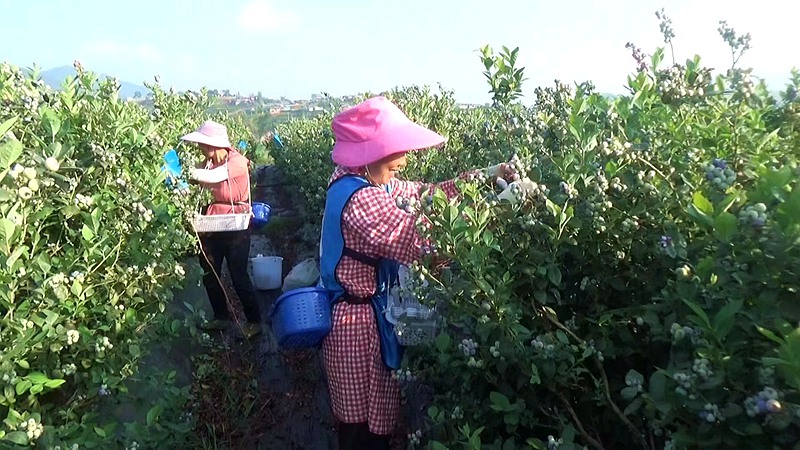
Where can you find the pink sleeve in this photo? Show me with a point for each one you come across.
(410, 189)
(390, 232)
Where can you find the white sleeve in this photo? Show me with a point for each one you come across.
(211, 175)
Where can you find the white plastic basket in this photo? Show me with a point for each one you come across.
(220, 222)
(414, 323)
(214, 223)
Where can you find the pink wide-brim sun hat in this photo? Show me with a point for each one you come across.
(210, 133)
(375, 129)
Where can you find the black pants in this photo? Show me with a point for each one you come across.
(356, 436)
(234, 247)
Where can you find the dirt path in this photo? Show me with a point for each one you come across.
(293, 379)
(293, 389)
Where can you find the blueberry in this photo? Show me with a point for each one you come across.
(773, 406)
(762, 406)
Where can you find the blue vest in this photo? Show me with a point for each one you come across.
(331, 251)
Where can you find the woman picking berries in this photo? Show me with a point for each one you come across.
(365, 237)
(225, 172)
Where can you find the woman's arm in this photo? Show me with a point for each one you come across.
(210, 175)
(411, 189)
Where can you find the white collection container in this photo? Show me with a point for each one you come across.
(267, 272)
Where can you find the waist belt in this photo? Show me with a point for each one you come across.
(353, 300)
(364, 259)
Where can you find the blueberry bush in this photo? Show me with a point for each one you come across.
(92, 247)
(635, 284)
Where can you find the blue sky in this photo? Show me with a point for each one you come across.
(297, 48)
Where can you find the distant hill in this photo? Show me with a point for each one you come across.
(55, 78)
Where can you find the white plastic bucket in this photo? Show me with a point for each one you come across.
(267, 272)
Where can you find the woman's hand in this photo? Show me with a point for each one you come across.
(504, 171)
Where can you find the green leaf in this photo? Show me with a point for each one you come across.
(727, 202)
(443, 342)
(87, 233)
(37, 377)
(44, 262)
(7, 230)
(630, 392)
(750, 429)
(633, 406)
(17, 437)
(100, 432)
(700, 217)
(535, 379)
(568, 433)
(698, 311)
(535, 444)
(658, 386)
(14, 257)
(22, 386)
(702, 204)
(554, 275)
(9, 153)
(76, 288)
(7, 125)
(36, 389)
(70, 210)
(24, 364)
(52, 384)
(770, 335)
(153, 414)
(725, 226)
(51, 122)
(723, 321)
(499, 401)
(433, 411)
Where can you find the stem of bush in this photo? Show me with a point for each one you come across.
(606, 387)
(592, 441)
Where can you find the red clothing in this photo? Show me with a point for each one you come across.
(235, 189)
(360, 385)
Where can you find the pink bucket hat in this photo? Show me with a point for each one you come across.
(375, 129)
(210, 133)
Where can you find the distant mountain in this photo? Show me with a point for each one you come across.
(55, 78)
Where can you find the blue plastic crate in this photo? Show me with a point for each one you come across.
(301, 318)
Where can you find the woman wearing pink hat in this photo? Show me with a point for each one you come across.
(365, 236)
(226, 174)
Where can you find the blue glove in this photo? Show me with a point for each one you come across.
(173, 167)
(277, 140)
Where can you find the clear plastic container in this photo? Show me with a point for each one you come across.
(414, 323)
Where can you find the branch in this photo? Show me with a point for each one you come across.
(592, 441)
(635, 431)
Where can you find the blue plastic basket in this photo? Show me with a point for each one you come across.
(261, 213)
(301, 317)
